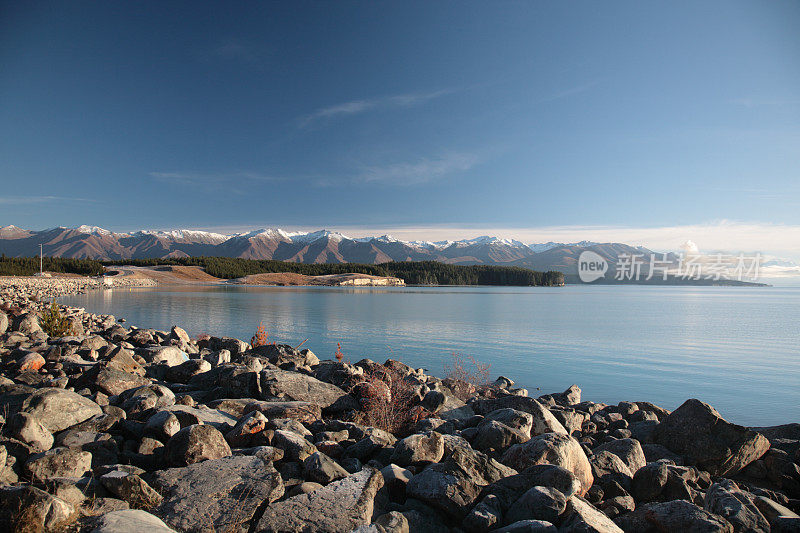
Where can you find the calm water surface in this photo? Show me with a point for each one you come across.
(735, 348)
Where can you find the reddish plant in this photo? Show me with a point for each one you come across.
(261, 337)
(388, 401)
(338, 353)
(473, 374)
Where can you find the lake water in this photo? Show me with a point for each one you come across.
(735, 348)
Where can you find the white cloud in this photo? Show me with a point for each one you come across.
(776, 239)
(16, 200)
(421, 171)
(211, 178)
(360, 106)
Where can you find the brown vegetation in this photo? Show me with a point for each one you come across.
(466, 374)
(389, 401)
(261, 337)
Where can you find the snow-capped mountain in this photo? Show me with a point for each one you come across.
(321, 246)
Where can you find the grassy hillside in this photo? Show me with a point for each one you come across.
(414, 273)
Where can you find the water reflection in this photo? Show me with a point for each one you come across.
(731, 347)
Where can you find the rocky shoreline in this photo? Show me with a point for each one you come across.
(121, 429)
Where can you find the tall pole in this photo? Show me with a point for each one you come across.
(41, 261)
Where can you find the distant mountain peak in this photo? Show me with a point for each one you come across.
(95, 230)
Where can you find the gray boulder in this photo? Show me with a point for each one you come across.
(294, 446)
(418, 448)
(528, 526)
(59, 409)
(698, 432)
(216, 495)
(168, 355)
(185, 371)
(341, 506)
(543, 420)
(454, 485)
(293, 386)
(738, 507)
(628, 450)
(677, 515)
(321, 469)
(26, 508)
(145, 398)
(27, 324)
(555, 449)
(58, 462)
(129, 521)
(26, 428)
(131, 488)
(538, 503)
(582, 517)
(194, 444)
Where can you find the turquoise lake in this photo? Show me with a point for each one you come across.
(737, 348)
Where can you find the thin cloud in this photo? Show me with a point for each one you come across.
(569, 92)
(16, 200)
(212, 179)
(355, 107)
(724, 235)
(761, 102)
(418, 172)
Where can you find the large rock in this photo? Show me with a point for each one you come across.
(538, 503)
(229, 381)
(628, 450)
(321, 469)
(698, 432)
(454, 485)
(725, 499)
(26, 428)
(543, 420)
(216, 495)
(27, 324)
(300, 411)
(145, 398)
(114, 382)
(168, 355)
(281, 354)
(130, 521)
(677, 515)
(29, 509)
(418, 448)
(58, 462)
(293, 386)
(552, 448)
(581, 517)
(508, 489)
(59, 409)
(341, 506)
(196, 443)
(131, 488)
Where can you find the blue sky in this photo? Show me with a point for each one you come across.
(440, 118)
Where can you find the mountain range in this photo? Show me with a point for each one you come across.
(306, 247)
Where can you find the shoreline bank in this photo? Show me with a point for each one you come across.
(155, 421)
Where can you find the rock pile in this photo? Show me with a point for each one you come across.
(120, 429)
(30, 290)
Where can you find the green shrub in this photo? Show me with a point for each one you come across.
(54, 323)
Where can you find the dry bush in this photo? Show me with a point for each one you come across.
(261, 337)
(54, 323)
(388, 401)
(469, 371)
